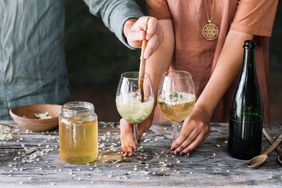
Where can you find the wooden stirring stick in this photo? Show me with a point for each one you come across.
(142, 65)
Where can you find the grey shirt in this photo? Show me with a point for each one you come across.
(32, 61)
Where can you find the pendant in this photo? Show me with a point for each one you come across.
(210, 31)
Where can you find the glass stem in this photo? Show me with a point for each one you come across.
(175, 131)
(135, 127)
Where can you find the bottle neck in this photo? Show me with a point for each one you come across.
(249, 67)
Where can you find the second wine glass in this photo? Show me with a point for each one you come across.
(176, 97)
(128, 99)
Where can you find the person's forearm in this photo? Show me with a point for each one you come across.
(161, 60)
(226, 71)
(115, 13)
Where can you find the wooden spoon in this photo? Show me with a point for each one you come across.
(142, 65)
(271, 141)
(259, 160)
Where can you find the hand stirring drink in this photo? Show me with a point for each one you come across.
(135, 98)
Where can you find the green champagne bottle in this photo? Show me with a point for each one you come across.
(246, 118)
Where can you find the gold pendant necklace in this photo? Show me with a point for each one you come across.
(210, 30)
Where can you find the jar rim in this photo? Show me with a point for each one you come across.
(78, 106)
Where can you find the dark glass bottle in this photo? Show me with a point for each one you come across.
(246, 118)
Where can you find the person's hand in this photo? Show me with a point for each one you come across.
(194, 131)
(128, 144)
(135, 30)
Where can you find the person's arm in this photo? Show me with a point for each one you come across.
(114, 14)
(196, 126)
(158, 63)
(125, 19)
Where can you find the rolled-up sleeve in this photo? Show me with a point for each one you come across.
(255, 17)
(114, 14)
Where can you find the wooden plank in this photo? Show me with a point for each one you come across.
(153, 164)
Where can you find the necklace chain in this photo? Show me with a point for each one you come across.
(209, 18)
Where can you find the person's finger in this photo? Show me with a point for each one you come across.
(122, 142)
(129, 151)
(195, 144)
(123, 151)
(146, 23)
(140, 24)
(190, 139)
(207, 134)
(151, 46)
(129, 140)
(152, 26)
(205, 130)
(134, 38)
(184, 133)
(131, 143)
(126, 136)
(125, 131)
(123, 148)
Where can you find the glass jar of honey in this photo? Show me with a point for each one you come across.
(78, 132)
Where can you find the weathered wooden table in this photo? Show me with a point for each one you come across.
(31, 159)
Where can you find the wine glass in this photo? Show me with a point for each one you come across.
(128, 99)
(176, 97)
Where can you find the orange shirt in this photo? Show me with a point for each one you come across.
(198, 56)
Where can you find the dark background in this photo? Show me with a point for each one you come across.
(96, 58)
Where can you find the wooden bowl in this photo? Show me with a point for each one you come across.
(24, 116)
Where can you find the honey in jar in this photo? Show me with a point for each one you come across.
(78, 133)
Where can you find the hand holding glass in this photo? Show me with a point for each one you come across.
(176, 97)
(128, 99)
